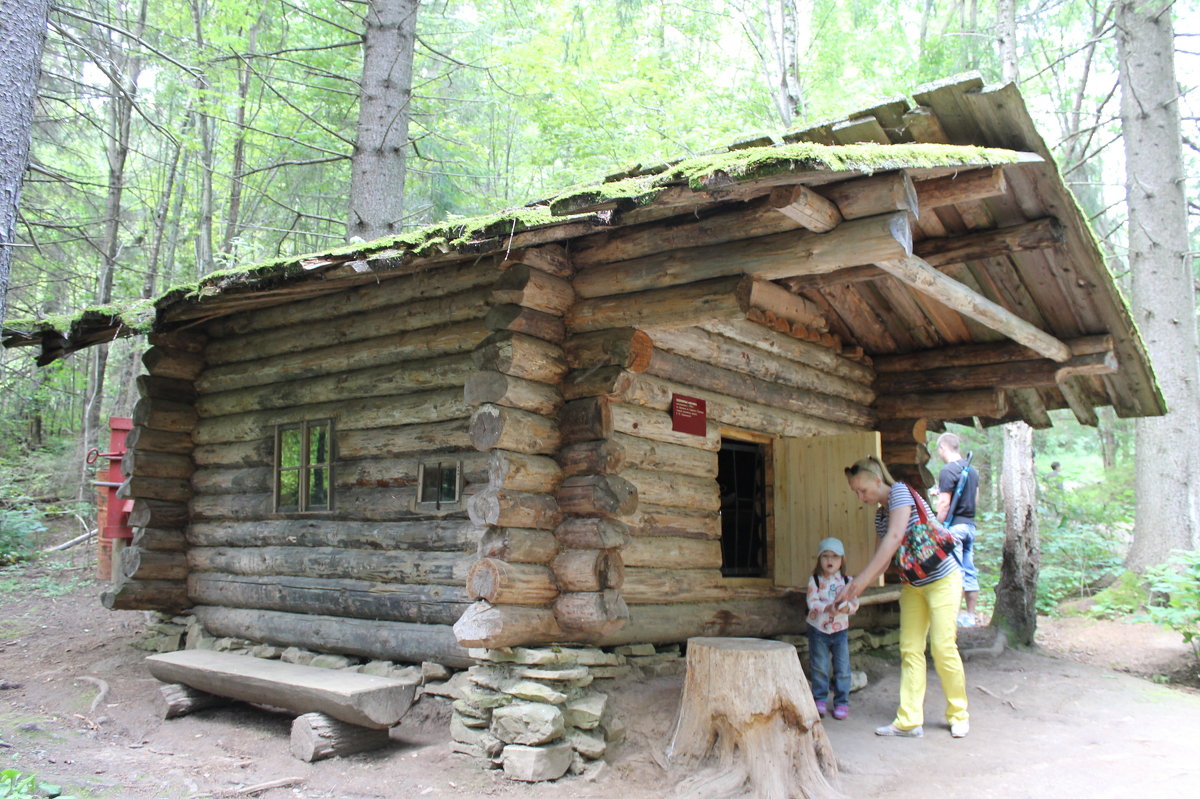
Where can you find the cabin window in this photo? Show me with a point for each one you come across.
(439, 484)
(742, 476)
(304, 466)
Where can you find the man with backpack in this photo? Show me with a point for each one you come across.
(958, 492)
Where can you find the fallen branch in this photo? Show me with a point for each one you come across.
(101, 696)
(1008, 702)
(285, 782)
(68, 544)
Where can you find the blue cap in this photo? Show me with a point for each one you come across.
(833, 545)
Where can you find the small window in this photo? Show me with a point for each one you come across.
(304, 466)
(439, 484)
(742, 476)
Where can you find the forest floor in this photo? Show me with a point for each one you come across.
(1079, 716)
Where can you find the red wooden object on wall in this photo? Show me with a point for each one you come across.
(112, 519)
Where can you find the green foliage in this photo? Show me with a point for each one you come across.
(1176, 588)
(18, 526)
(1125, 597)
(15, 785)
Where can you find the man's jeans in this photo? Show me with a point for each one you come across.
(964, 548)
(822, 648)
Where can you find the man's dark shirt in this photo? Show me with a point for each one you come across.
(964, 510)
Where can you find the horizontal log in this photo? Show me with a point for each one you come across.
(155, 513)
(316, 736)
(143, 438)
(512, 392)
(390, 290)
(166, 465)
(139, 564)
(518, 471)
(599, 495)
(190, 340)
(948, 405)
(645, 586)
(159, 539)
(503, 508)
(170, 417)
(672, 552)
(432, 535)
(361, 414)
(532, 288)
(905, 430)
(805, 207)
(331, 330)
(384, 566)
(588, 569)
(167, 596)
(730, 354)
(675, 306)
(325, 359)
(1041, 373)
(591, 533)
(602, 456)
(526, 320)
(173, 363)
(505, 583)
(516, 545)
(660, 520)
(813, 403)
(521, 356)
(166, 490)
(400, 472)
(492, 626)
(962, 187)
(595, 613)
(449, 437)
(247, 454)
(177, 699)
(166, 388)
(989, 353)
(498, 427)
(929, 281)
(674, 623)
(648, 391)
(662, 456)
(911, 452)
(605, 381)
(872, 195)
(358, 504)
(385, 640)
(655, 424)
(762, 295)
(626, 347)
(549, 258)
(404, 378)
(793, 349)
(769, 257)
(588, 419)
(229, 480)
(351, 598)
(676, 490)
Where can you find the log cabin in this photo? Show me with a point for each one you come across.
(616, 416)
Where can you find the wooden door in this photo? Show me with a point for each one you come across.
(812, 502)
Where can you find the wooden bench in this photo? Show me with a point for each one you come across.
(368, 705)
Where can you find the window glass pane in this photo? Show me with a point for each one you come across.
(318, 489)
(449, 488)
(289, 447)
(318, 443)
(289, 490)
(439, 482)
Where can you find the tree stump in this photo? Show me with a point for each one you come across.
(316, 736)
(747, 720)
(180, 700)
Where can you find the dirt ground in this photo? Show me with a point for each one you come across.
(77, 707)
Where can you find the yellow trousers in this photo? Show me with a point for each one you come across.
(930, 611)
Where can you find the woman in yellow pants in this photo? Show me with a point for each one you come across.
(928, 607)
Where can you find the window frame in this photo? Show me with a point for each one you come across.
(305, 468)
(439, 505)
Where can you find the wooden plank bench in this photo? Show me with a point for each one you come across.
(360, 699)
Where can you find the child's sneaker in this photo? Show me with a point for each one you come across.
(822, 708)
(841, 712)
(966, 619)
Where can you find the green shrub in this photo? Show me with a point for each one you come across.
(15, 785)
(18, 526)
(1176, 587)
(1125, 597)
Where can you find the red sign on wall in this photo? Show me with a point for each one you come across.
(689, 415)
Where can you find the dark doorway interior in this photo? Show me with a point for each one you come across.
(742, 475)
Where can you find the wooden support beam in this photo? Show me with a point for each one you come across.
(1012, 374)
(1077, 402)
(869, 196)
(805, 207)
(947, 405)
(950, 251)
(974, 184)
(976, 354)
(924, 278)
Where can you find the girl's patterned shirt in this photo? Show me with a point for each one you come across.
(821, 613)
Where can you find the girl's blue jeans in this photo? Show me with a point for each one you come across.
(829, 655)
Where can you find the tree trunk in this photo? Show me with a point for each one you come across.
(377, 169)
(21, 37)
(747, 707)
(1016, 594)
(1164, 303)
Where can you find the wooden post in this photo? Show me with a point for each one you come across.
(316, 736)
(747, 711)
